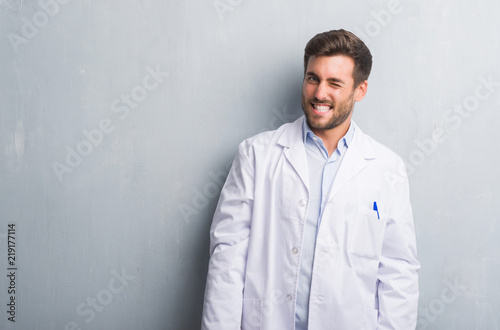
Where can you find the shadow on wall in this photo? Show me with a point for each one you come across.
(200, 209)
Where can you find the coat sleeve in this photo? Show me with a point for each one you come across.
(229, 236)
(398, 269)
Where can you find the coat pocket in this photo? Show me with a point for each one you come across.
(368, 235)
(252, 314)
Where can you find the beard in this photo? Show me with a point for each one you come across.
(339, 112)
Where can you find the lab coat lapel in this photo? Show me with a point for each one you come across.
(294, 150)
(355, 161)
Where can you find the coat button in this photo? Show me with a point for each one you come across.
(295, 250)
(302, 203)
(289, 297)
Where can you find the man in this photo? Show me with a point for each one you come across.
(314, 228)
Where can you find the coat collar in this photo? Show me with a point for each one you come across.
(292, 142)
(360, 151)
(355, 160)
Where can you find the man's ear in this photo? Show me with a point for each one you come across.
(360, 91)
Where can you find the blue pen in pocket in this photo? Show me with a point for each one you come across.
(375, 208)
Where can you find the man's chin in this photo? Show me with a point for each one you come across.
(318, 124)
(319, 119)
(323, 125)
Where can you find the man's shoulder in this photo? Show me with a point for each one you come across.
(378, 150)
(267, 138)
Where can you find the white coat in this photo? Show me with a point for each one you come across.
(365, 268)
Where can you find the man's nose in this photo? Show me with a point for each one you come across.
(321, 91)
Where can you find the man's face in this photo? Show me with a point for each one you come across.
(328, 92)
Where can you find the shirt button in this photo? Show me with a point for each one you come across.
(295, 250)
(289, 297)
(302, 203)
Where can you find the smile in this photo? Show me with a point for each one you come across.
(321, 108)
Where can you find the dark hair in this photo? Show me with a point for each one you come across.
(341, 42)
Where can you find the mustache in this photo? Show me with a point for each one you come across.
(316, 100)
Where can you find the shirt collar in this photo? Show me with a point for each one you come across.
(346, 139)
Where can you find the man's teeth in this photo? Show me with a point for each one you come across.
(322, 108)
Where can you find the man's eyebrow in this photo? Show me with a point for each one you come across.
(335, 80)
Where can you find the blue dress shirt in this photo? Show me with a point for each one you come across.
(322, 172)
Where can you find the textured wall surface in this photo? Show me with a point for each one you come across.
(119, 121)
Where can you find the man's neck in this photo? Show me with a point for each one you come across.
(332, 136)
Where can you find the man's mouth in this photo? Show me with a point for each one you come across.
(321, 108)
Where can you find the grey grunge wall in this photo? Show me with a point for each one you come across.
(119, 121)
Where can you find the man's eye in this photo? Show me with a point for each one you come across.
(313, 79)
